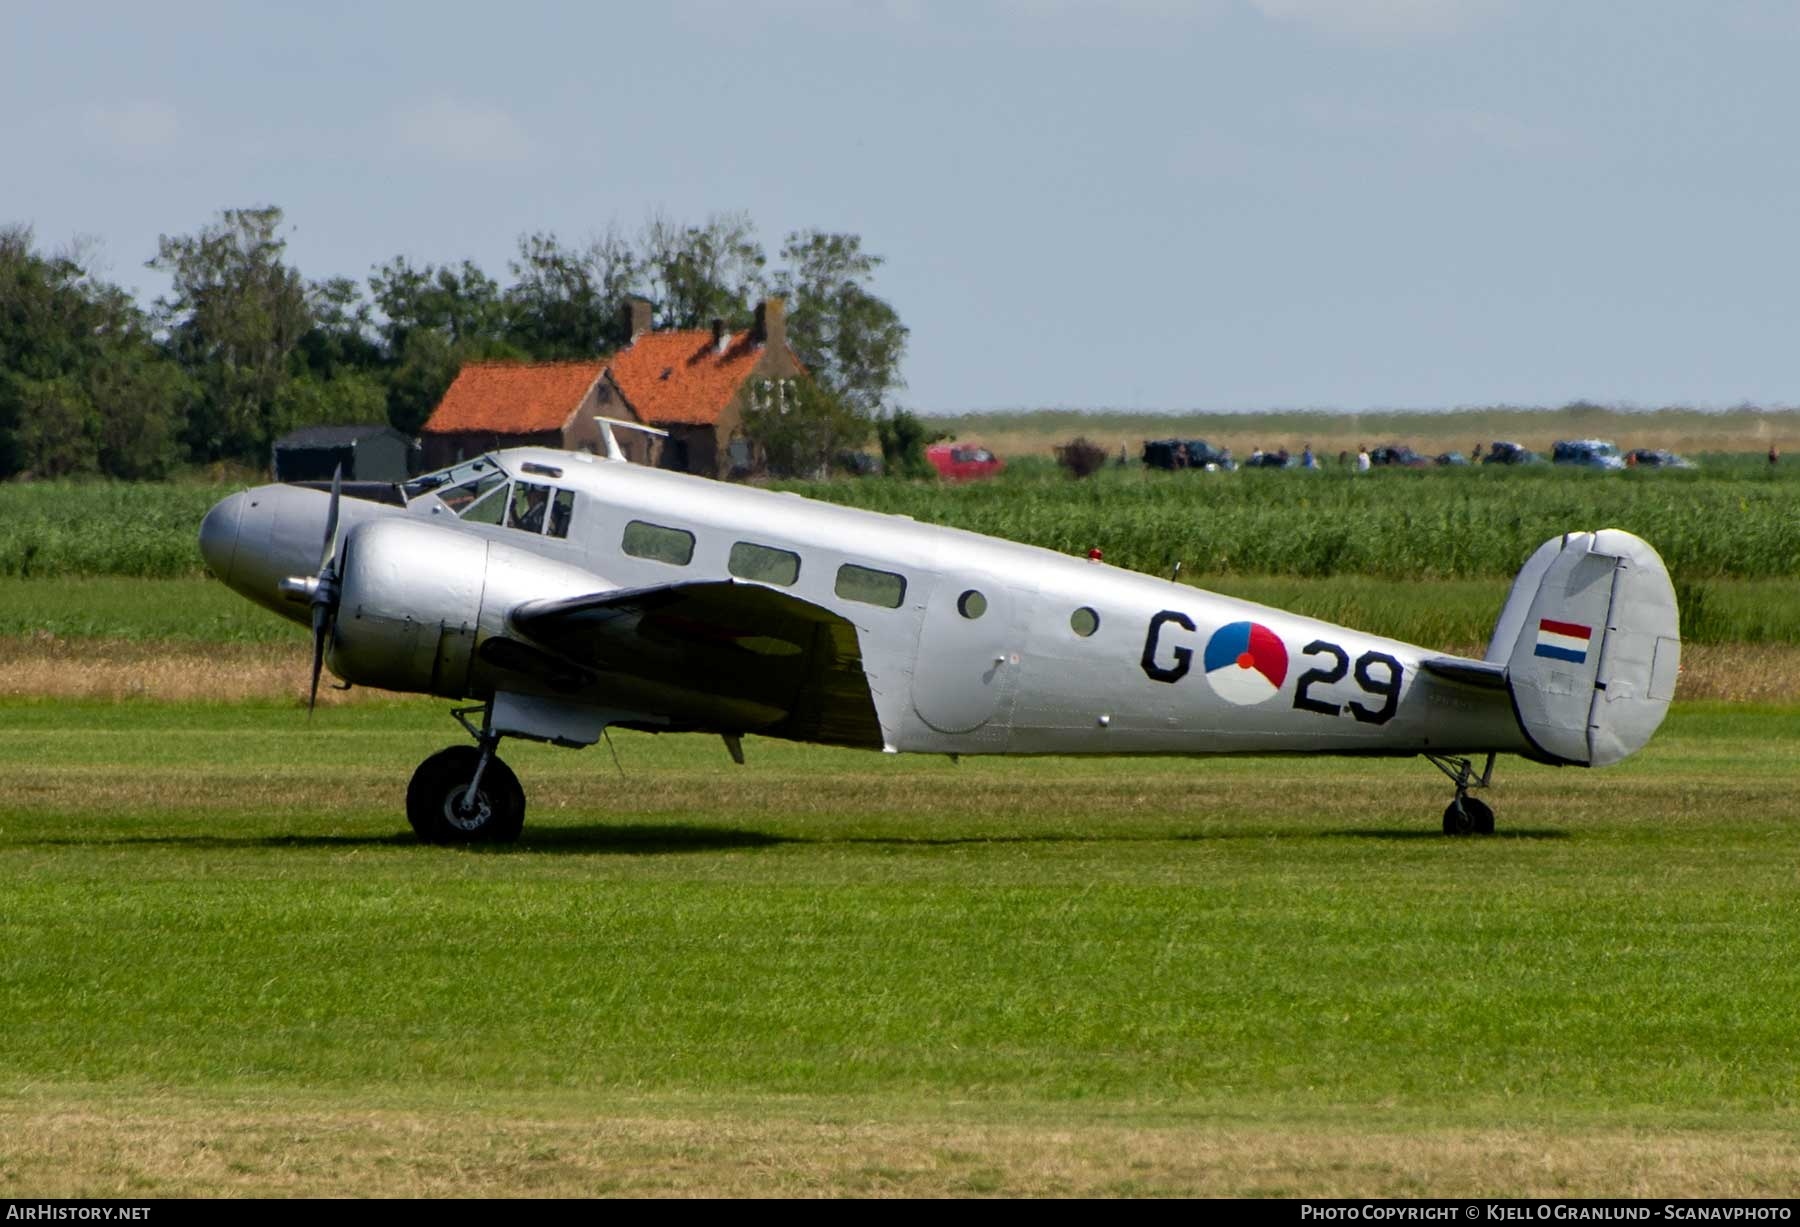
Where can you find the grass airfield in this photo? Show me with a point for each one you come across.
(226, 968)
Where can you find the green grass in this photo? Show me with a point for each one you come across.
(227, 967)
(222, 898)
(111, 607)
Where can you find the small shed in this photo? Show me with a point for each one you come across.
(367, 453)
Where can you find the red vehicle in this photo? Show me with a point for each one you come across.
(955, 462)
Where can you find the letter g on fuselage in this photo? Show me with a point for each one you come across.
(1184, 657)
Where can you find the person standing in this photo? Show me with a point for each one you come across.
(1362, 459)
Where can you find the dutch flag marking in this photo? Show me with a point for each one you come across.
(1563, 640)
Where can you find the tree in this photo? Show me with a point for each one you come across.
(50, 425)
(903, 440)
(141, 401)
(565, 303)
(850, 340)
(234, 315)
(342, 336)
(350, 398)
(83, 387)
(801, 428)
(463, 304)
(696, 274)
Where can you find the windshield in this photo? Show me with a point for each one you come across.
(442, 481)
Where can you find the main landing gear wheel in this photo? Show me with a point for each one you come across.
(442, 811)
(1467, 816)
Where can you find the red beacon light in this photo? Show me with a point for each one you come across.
(1094, 555)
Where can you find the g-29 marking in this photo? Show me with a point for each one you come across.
(1387, 688)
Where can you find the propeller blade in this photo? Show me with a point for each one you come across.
(321, 622)
(331, 521)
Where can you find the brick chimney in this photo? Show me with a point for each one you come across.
(720, 336)
(771, 323)
(636, 313)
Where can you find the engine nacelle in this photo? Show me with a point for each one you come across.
(418, 600)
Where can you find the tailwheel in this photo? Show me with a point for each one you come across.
(1466, 815)
(465, 795)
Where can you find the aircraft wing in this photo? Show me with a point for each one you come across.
(725, 655)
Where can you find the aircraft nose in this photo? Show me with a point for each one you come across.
(219, 534)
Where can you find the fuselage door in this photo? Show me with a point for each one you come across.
(970, 654)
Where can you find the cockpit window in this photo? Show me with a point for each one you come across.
(445, 480)
(529, 507)
(539, 509)
(487, 505)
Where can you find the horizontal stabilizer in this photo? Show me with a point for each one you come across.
(1485, 674)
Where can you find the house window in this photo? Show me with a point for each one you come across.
(674, 546)
(764, 563)
(871, 587)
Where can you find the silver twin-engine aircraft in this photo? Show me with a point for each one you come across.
(564, 593)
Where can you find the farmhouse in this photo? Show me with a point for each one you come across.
(695, 384)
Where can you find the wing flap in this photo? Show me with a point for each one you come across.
(732, 656)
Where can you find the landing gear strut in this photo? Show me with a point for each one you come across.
(465, 794)
(1466, 815)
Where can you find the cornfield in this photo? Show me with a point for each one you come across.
(1399, 524)
(1724, 521)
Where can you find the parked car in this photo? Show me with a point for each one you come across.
(1397, 456)
(959, 462)
(1587, 454)
(1657, 458)
(1510, 453)
(1451, 458)
(1186, 454)
(858, 464)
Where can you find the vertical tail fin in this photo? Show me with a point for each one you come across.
(1591, 641)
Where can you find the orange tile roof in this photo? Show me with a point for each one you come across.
(513, 397)
(681, 376)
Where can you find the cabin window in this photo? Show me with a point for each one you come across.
(529, 507)
(674, 546)
(1084, 621)
(764, 563)
(560, 511)
(871, 587)
(971, 604)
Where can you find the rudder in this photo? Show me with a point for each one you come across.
(1591, 640)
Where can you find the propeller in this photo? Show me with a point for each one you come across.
(321, 590)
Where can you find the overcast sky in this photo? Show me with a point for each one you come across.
(1218, 204)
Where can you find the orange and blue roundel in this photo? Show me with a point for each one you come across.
(1246, 663)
